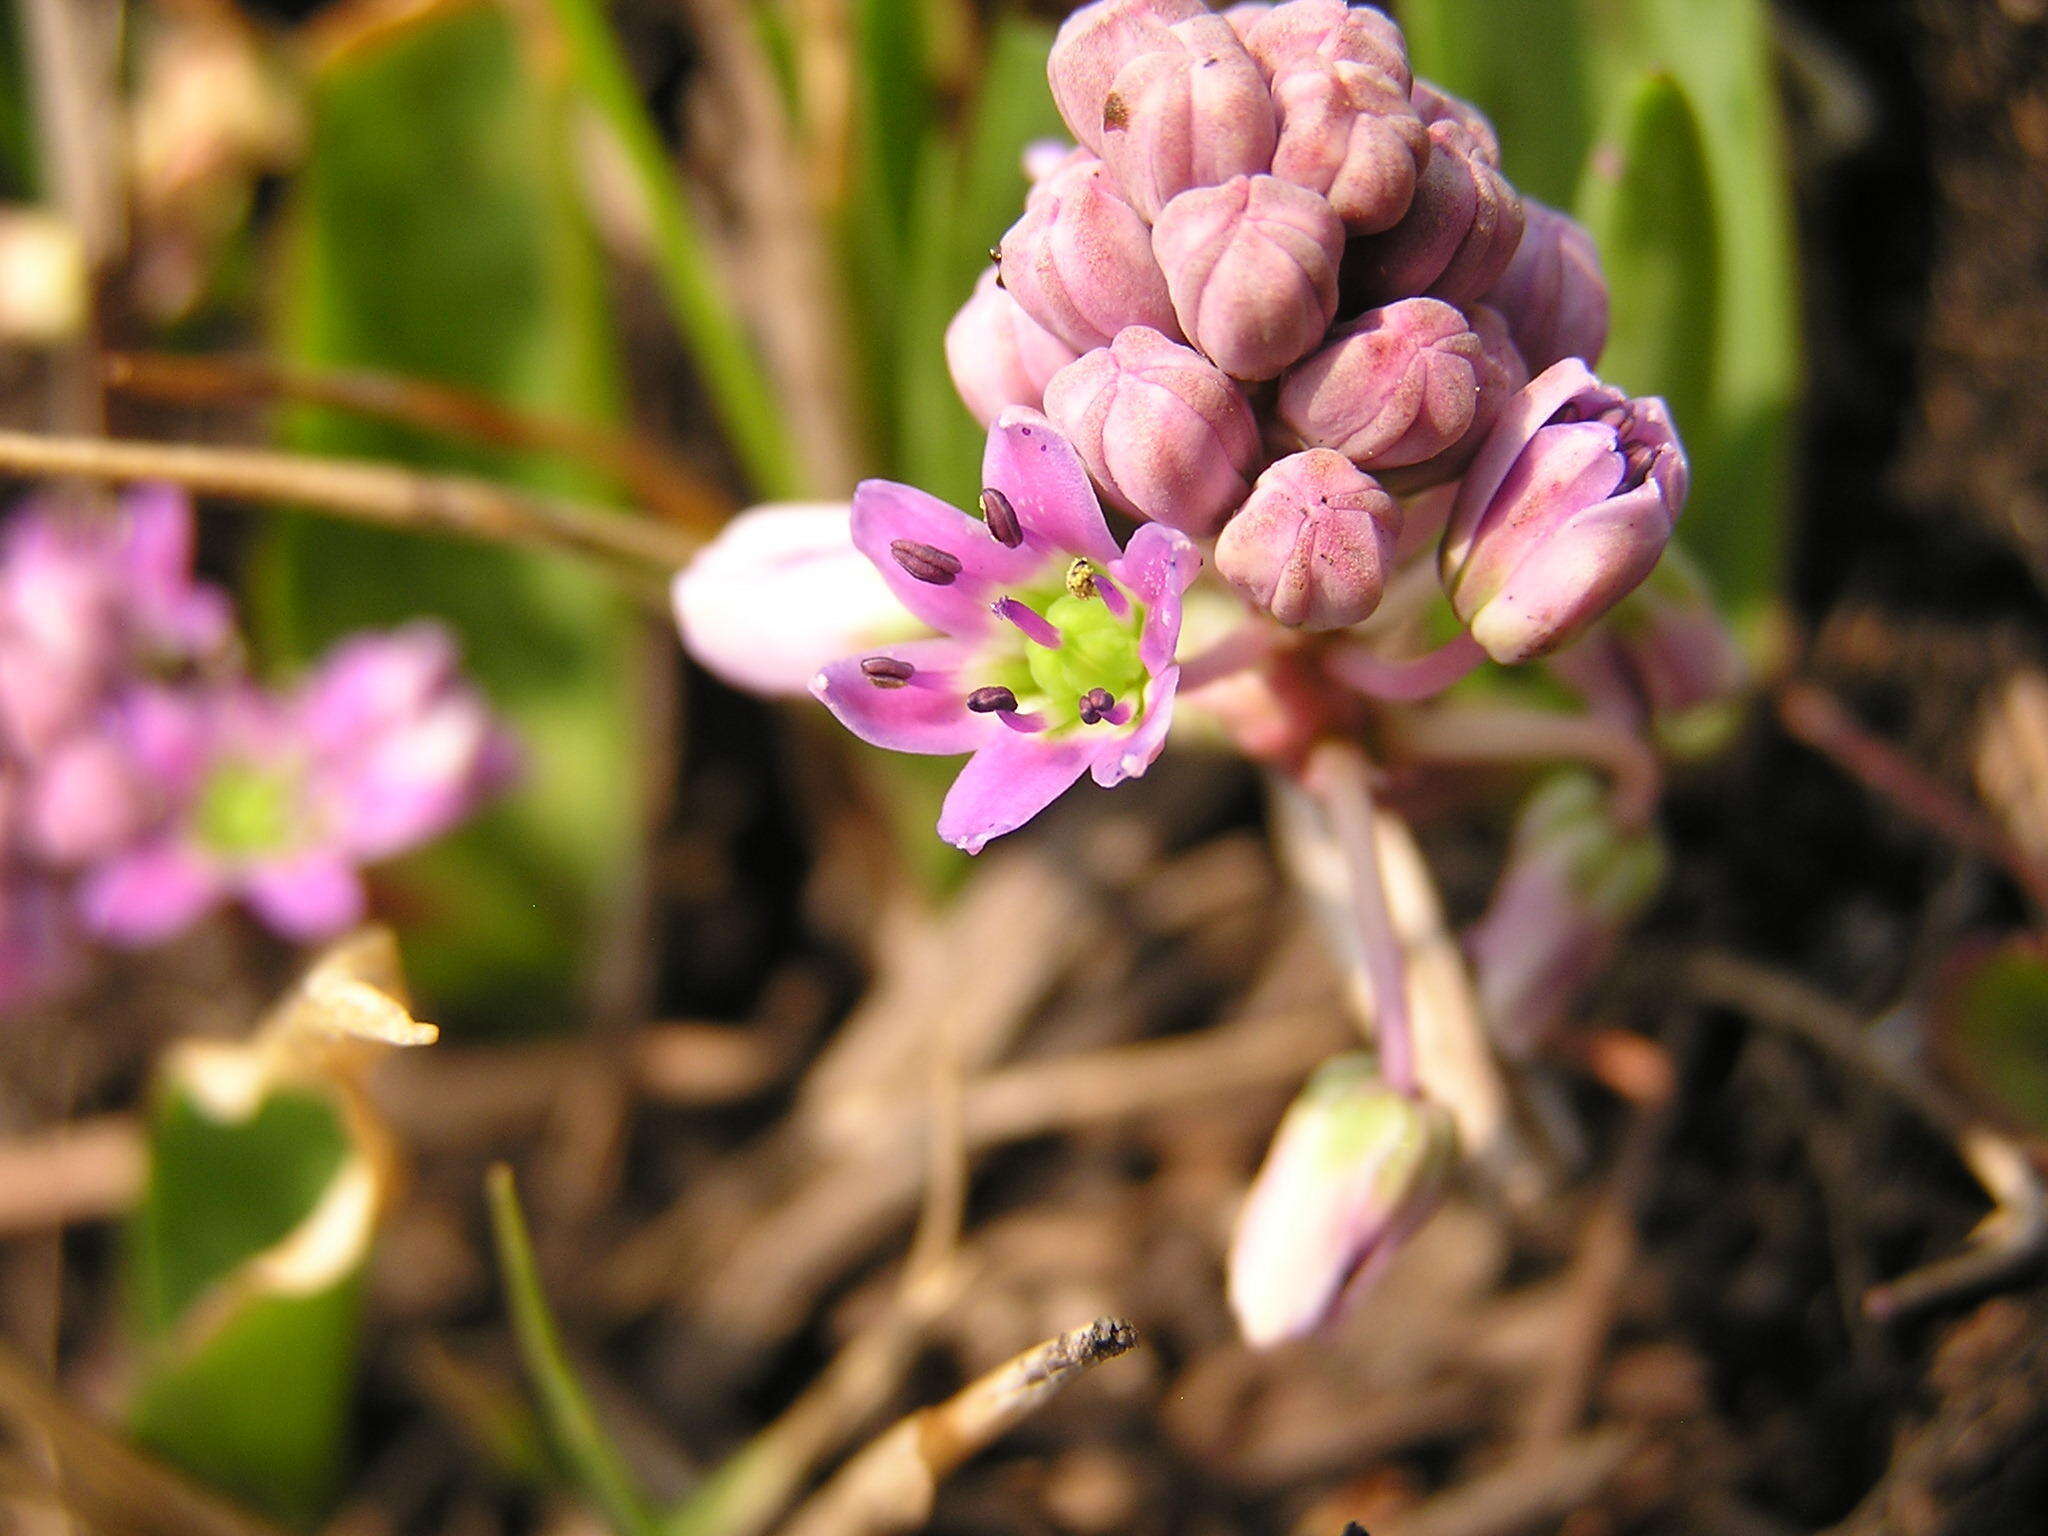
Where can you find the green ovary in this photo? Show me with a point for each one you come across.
(1098, 650)
(247, 809)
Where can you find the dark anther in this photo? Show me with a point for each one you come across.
(1636, 465)
(924, 562)
(989, 701)
(1081, 579)
(1002, 518)
(1096, 704)
(887, 671)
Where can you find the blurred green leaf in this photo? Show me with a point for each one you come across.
(1650, 208)
(1995, 1025)
(17, 124)
(972, 190)
(572, 1424)
(733, 375)
(435, 232)
(249, 1329)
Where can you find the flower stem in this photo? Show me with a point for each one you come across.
(1417, 677)
(1337, 775)
(1514, 734)
(1239, 651)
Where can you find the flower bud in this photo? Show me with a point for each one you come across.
(780, 592)
(1467, 128)
(1354, 1170)
(1499, 374)
(1572, 885)
(1191, 113)
(1313, 544)
(1347, 130)
(1251, 266)
(1080, 261)
(85, 799)
(998, 355)
(1396, 386)
(1165, 433)
(1044, 159)
(1564, 511)
(1458, 235)
(1553, 292)
(1246, 15)
(1328, 29)
(1097, 41)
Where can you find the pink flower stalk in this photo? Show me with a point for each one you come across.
(1662, 660)
(1354, 1170)
(1165, 432)
(279, 800)
(798, 557)
(1054, 652)
(1564, 511)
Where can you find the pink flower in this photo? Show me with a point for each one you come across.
(1054, 652)
(278, 801)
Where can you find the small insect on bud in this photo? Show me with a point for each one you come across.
(992, 701)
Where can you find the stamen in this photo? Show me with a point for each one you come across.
(1096, 704)
(1003, 525)
(992, 700)
(1081, 579)
(1636, 465)
(1026, 725)
(887, 671)
(925, 562)
(1034, 624)
(1112, 596)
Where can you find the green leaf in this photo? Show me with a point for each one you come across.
(248, 1321)
(573, 1426)
(1650, 208)
(435, 232)
(733, 375)
(17, 124)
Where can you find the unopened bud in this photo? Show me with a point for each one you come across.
(1165, 433)
(1328, 29)
(1572, 885)
(1396, 386)
(1500, 373)
(1313, 543)
(1251, 266)
(1191, 113)
(1354, 1170)
(1458, 235)
(1347, 131)
(1564, 511)
(1553, 292)
(1470, 131)
(998, 355)
(1080, 261)
(1097, 41)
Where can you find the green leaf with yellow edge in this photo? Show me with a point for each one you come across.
(435, 231)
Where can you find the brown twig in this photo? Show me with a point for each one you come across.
(2012, 1237)
(654, 478)
(1822, 723)
(890, 1485)
(364, 490)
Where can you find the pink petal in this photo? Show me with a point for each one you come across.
(928, 714)
(307, 896)
(1030, 461)
(885, 512)
(1007, 782)
(1133, 754)
(1524, 414)
(147, 896)
(1158, 567)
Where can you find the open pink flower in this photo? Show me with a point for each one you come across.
(1054, 655)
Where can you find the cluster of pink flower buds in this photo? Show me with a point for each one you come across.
(1281, 284)
(144, 776)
